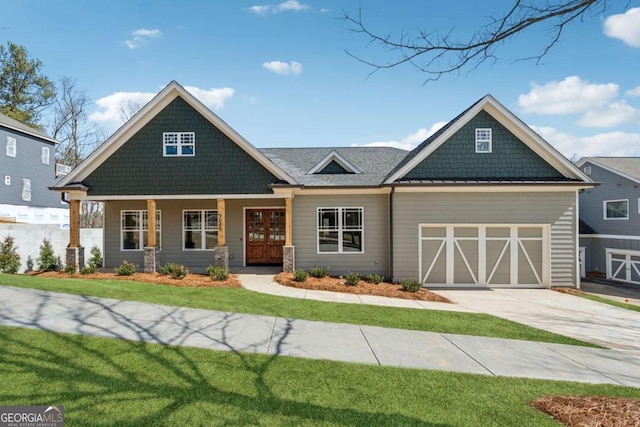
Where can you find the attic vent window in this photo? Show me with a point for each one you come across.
(587, 170)
(483, 140)
(334, 168)
(179, 144)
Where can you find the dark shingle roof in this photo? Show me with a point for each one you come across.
(374, 163)
(626, 165)
(8, 121)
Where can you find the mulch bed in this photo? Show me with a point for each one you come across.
(570, 291)
(336, 284)
(591, 411)
(191, 280)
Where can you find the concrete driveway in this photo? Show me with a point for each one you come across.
(598, 323)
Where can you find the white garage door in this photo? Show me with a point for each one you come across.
(623, 265)
(492, 255)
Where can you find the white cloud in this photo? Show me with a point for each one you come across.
(292, 68)
(625, 26)
(286, 6)
(141, 37)
(603, 144)
(408, 143)
(110, 106)
(635, 92)
(572, 95)
(614, 114)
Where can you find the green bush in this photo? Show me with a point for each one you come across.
(88, 270)
(218, 273)
(126, 269)
(176, 271)
(319, 272)
(300, 275)
(70, 269)
(376, 279)
(95, 261)
(9, 258)
(411, 285)
(352, 279)
(47, 260)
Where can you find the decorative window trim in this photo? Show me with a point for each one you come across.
(484, 136)
(203, 228)
(45, 155)
(604, 210)
(26, 189)
(140, 228)
(340, 228)
(178, 144)
(12, 148)
(587, 170)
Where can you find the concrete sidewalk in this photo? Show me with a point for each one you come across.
(215, 330)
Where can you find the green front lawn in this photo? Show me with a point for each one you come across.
(106, 382)
(610, 302)
(244, 301)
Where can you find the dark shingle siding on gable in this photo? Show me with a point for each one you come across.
(510, 158)
(219, 166)
(333, 168)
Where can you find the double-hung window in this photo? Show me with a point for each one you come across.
(483, 140)
(26, 189)
(11, 146)
(616, 209)
(199, 230)
(177, 144)
(340, 230)
(134, 227)
(44, 155)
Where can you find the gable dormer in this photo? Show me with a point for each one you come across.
(333, 164)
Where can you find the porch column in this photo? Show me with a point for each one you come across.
(221, 251)
(288, 255)
(150, 244)
(75, 252)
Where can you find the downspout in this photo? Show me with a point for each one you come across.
(393, 190)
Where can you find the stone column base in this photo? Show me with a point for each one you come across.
(75, 256)
(288, 259)
(150, 259)
(221, 256)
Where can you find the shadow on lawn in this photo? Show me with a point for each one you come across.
(151, 384)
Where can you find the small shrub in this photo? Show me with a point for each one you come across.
(411, 285)
(352, 279)
(218, 273)
(88, 270)
(9, 258)
(376, 279)
(95, 261)
(70, 269)
(126, 269)
(300, 275)
(176, 271)
(47, 260)
(319, 272)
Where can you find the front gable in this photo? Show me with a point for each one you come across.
(139, 166)
(509, 158)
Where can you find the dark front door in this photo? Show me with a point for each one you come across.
(265, 236)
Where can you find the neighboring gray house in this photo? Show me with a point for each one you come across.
(484, 202)
(27, 169)
(610, 213)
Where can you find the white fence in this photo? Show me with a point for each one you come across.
(29, 237)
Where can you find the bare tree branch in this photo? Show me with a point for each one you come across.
(438, 54)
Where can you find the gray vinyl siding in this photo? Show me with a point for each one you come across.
(374, 260)
(171, 231)
(612, 187)
(556, 209)
(27, 164)
(595, 251)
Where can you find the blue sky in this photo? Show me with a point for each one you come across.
(277, 72)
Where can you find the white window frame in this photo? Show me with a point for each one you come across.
(203, 229)
(26, 189)
(340, 228)
(604, 210)
(12, 146)
(484, 135)
(179, 141)
(45, 155)
(141, 228)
